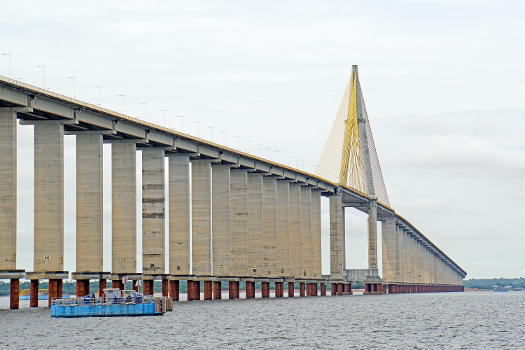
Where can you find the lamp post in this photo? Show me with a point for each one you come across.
(164, 111)
(73, 78)
(123, 102)
(8, 54)
(43, 67)
(99, 87)
(145, 109)
(211, 127)
(198, 128)
(181, 122)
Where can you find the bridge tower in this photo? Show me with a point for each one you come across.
(350, 159)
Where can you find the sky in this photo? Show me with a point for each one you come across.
(443, 83)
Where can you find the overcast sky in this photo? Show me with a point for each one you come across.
(443, 84)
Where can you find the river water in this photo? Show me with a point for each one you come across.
(470, 320)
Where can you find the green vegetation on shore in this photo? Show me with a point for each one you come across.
(490, 283)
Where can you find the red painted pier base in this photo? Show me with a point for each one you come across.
(265, 289)
(52, 291)
(117, 284)
(401, 288)
(101, 286)
(147, 287)
(165, 288)
(279, 289)
(233, 289)
(323, 289)
(82, 288)
(217, 290)
(250, 290)
(333, 290)
(207, 290)
(196, 290)
(339, 289)
(33, 293)
(174, 290)
(189, 290)
(301, 290)
(291, 289)
(14, 294)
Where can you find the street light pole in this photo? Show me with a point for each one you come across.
(43, 75)
(72, 77)
(198, 128)
(99, 87)
(123, 102)
(8, 53)
(145, 109)
(181, 122)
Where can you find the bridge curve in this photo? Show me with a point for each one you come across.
(271, 229)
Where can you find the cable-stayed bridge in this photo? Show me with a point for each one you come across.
(233, 217)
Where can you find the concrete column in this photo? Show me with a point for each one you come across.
(372, 235)
(283, 227)
(255, 239)
(153, 211)
(201, 217)
(270, 256)
(179, 221)
(8, 203)
(221, 220)
(89, 243)
(295, 230)
(316, 234)
(124, 208)
(306, 232)
(337, 237)
(389, 250)
(49, 197)
(239, 222)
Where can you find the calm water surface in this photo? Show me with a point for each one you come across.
(470, 320)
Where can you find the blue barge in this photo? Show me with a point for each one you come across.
(114, 303)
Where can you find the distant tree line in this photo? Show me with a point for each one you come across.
(486, 283)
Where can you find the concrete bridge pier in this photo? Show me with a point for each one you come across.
(124, 195)
(8, 204)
